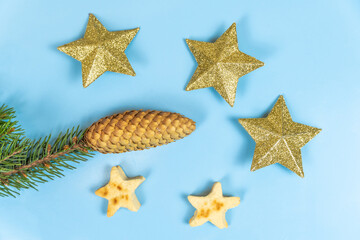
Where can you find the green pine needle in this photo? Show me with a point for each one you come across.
(24, 163)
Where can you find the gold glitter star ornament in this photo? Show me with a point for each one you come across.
(100, 51)
(220, 64)
(120, 191)
(278, 139)
(212, 207)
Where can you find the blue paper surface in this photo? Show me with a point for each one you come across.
(311, 53)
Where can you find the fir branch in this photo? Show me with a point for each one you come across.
(10, 156)
(7, 133)
(48, 158)
(9, 128)
(24, 163)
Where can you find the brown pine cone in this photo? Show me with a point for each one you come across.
(137, 130)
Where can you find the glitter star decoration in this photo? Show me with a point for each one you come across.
(220, 64)
(100, 51)
(212, 207)
(278, 139)
(120, 191)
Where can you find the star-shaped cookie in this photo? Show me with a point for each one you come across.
(278, 138)
(212, 207)
(120, 191)
(220, 64)
(100, 51)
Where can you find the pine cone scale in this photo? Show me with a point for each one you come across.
(137, 130)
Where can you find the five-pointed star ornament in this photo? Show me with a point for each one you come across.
(278, 139)
(212, 207)
(120, 191)
(220, 64)
(100, 51)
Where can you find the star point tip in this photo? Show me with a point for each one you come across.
(136, 30)
(281, 100)
(241, 120)
(230, 102)
(131, 72)
(60, 48)
(189, 41)
(141, 179)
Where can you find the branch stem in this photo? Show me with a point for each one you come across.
(44, 160)
(7, 133)
(11, 155)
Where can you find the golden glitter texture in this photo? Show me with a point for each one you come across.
(278, 139)
(212, 207)
(100, 51)
(120, 191)
(220, 64)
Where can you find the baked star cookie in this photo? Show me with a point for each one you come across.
(120, 191)
(212, 207)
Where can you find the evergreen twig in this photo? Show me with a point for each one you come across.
(10, 156)
(24, 163)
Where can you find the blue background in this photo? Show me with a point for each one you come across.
(311, 52)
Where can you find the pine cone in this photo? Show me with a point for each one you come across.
(137, 130)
